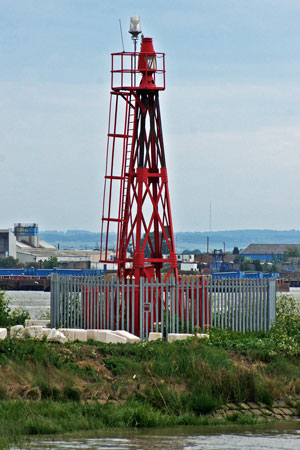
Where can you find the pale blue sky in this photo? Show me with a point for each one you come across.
(230, 110)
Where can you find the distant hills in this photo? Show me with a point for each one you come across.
(82, 239)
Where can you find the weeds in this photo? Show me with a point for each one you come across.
(282, 341)
(71, 393)
(50, 392)
(3, 393)
(9, 318)
(29, 350)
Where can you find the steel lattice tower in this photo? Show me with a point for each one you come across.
(136, 193)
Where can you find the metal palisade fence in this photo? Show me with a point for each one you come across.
(175, 306)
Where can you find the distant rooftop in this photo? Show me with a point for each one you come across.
(268, 249)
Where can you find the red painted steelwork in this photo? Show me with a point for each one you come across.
(136, 169)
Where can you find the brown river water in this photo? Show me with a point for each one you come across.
(283, 436)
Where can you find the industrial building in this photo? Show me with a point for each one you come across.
(7, 243)
(187, 263)
(24, 244)
(268, 252)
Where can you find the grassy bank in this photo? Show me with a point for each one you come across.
(52, 388)
(47, 388)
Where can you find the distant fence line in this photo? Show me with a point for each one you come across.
(175, 306)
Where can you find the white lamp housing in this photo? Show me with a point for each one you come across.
(135, 26)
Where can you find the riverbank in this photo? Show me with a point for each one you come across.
(48, 388)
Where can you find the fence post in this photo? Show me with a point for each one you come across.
(132, 305)
(173, 309)
(52, 301)
(141, 301)
(167, 290)
(271, 308)
(177, 305)
(162, 309)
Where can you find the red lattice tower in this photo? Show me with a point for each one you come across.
(136, 194)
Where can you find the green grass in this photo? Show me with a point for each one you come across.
(147, 385)
(208, 373)
(20, 418)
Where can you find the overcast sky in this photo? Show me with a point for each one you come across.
(230, 112)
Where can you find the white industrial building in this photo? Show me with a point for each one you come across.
(8, 243)
(23, 243)
(189, 266)
(189, 258)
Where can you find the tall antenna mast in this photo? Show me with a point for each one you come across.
(121, 35)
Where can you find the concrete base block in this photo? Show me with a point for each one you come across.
(131, 338)
(178, 336)
(74, 334)
(93, 334)
(68, 332)
(80, 335)
(202, 335)
(56, 336)
(106, 336)
(46, 332)
(17, 331)
(154, 336)
(41, 323)
(34, 331)
(3, 333)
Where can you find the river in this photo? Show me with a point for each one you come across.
(284, 436)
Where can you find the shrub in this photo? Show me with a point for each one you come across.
(203, 402)
(283, 340)
(49, 392)
(287, 316)
(71, 393)
(9, 318)
(3, 392)
(286, 331)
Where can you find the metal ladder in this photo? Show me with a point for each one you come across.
(130, 127)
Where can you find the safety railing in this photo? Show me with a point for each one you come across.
(125, 74)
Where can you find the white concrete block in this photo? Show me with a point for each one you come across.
(34, 331)
(91, 334)
(106, 336)
(80, 335)
(41, 323)
(74, 334)
(56, 336)
(131, 338)
(94, 334)
(46, 332)
(202, 335)
(154, 336)
(178, 336)
(112, 338)
(17, 331)
(68, 332)
(3, 333)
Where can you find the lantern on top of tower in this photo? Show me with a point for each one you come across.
(147, 63)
